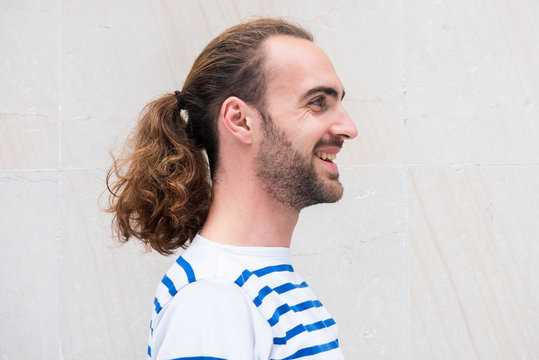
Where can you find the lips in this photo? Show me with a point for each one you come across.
(327, 154)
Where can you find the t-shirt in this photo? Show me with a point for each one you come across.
(238, 303)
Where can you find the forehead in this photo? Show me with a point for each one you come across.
(294, 66)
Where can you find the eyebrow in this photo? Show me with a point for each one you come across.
(324, 89)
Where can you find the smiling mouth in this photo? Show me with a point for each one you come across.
(326, 157)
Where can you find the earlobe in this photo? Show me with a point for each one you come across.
(235, 119)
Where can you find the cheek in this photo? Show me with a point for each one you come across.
(305, 144)
(302, 129)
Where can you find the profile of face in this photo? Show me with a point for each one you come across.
(304, 124)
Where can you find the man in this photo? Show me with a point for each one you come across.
(264, 103)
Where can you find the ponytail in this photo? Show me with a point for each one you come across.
(161, 189)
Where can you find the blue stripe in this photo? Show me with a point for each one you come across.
(306, 305)
(289, 286)
(283, 309)
(320, 325)
(157, 305)
(149, 351)
(313, 350)
(301, 328)
(246, 274)
(261, 295)
(266, 290)
(170, 285)
(289, 335)
(295, 331)
(269, 269)
(187, 268)
(198, 358)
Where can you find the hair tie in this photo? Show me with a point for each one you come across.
(181, 101)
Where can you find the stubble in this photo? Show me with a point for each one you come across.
(289, 176)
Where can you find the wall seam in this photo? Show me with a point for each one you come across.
(405, 174)
(59, 172)
(404, 166)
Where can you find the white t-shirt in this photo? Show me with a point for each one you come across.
(238, 303)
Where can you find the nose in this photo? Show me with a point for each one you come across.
(343, 126)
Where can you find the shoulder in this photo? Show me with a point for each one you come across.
(211, 317)
(207, 299)
(209, 296)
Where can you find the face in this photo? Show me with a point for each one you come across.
(305, 124)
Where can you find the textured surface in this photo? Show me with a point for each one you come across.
(432, 254)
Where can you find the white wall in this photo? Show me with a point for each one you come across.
(432, 254)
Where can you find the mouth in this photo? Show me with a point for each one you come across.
(327, 155)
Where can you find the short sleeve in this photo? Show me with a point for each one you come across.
(211, 318)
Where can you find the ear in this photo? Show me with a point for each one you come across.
(235, 117)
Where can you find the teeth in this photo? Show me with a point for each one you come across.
(324, 156)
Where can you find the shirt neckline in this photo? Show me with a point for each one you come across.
(265, 251)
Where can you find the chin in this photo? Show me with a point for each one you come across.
(335, 193)
(329, 184)
(326, 194)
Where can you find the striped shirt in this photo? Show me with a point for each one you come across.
(229, 302)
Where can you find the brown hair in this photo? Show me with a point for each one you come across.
(162, 191)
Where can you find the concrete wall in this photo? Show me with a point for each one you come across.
(433, 252)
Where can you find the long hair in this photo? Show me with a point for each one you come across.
(160, 190)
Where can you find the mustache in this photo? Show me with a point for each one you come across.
(329, 143)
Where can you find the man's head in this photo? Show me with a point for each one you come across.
(275, 68)
(230, 65)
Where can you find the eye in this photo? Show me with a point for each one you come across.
(318, 103)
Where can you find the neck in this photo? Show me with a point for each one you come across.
(246, 216)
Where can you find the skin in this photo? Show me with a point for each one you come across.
(303, 100)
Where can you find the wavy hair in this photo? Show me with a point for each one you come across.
(160, 189)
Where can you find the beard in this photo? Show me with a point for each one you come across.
(289, 176)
